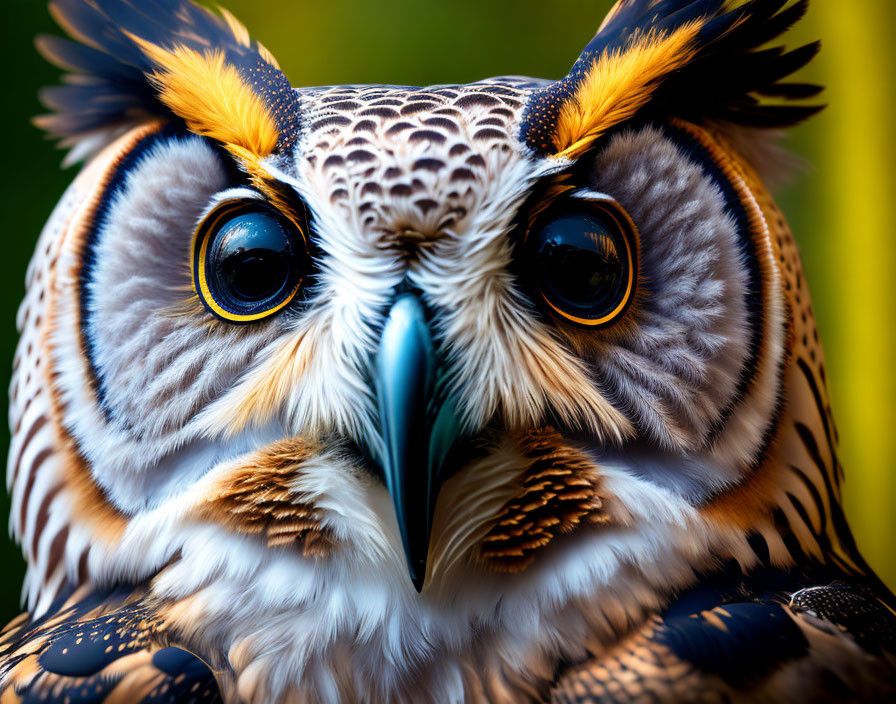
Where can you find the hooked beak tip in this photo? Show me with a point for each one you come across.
(417, 581)
(418, 424)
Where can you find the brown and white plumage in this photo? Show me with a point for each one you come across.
(640, 506)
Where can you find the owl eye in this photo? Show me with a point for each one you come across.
(585, 260)
(248, 262)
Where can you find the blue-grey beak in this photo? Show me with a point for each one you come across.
(419, 425)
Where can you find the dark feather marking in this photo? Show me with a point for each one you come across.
(398, 128)
(38, 423)
(38, 460)
(792, 91)
(757, 639)
(488, 133)
(838, 518)
(383, 112)
(442, 122)
(733, 630)
(801, 510)
(43, 515)
(417, 106)
(852, 609)
(334, 120)
(75, 643)
(788, 537)
(819, 403)
(427, 136)
(759, 546)
(816, 498)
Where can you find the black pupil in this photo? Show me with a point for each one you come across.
(251, 262)
(583, 264)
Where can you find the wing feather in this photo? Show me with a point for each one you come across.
(99, 646)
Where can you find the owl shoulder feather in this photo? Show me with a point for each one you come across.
(99, 645)
(764, 638)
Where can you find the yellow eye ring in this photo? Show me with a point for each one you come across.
(248, 261)
(584, 251)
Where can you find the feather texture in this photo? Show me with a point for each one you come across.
(130, 62)
(99, 645)
(694, 59)
(648, 510)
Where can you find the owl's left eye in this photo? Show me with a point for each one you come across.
(248, 262)
(584, 258)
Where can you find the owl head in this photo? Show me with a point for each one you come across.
(391, 366)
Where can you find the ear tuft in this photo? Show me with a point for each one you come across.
(212, 98)
(128, 66)
(698, 60)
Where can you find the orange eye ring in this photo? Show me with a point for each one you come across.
(584, 250)
(248, 262)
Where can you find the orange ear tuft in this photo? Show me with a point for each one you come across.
(182, 58)
(698, 60)
(211, 96)
(619, 84)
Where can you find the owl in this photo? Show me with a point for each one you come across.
(501, 392)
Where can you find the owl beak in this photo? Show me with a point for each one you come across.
(418, 422)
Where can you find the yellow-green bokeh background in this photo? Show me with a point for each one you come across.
(841, 208)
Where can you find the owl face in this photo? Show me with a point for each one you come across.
(396, 361)
(418, 297)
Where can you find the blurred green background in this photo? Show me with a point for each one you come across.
(841, 208)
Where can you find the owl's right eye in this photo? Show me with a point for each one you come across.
(249, 262)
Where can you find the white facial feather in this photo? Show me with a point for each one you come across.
(265, 605)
